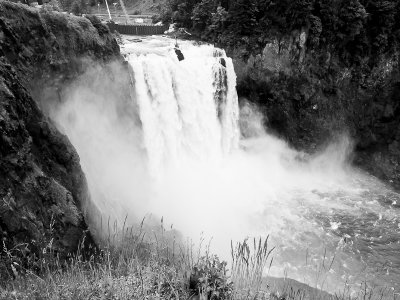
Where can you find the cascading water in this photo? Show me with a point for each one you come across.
(173, 149)
(197, 120)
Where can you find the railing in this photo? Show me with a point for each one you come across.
(138, 29)
(121, 14)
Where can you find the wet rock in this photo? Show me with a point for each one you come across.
(42, 186)
(309, 96)
(43, 191)
(223, 62)
(179, 54)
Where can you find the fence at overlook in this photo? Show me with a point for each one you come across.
(138, 29)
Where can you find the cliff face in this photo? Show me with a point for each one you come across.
(309, 96)
(43, 191)
(49, 46)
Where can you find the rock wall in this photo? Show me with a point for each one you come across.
(43, 191)
(308, 97)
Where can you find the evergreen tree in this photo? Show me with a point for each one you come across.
(299, 13)
(275, 17)
(315, 31)
(179, 11)
(352, 17)
(76, 7)
(263, 7)
(226, 4)
(396, 28)
(243, 17)
(328, 12)
(381, 24)
(218, 22)
(202, 14)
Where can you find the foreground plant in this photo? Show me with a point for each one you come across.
(153, 263)
(210, 279)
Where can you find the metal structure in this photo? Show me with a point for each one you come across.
(138, 29)
(123, 8)
(125, 12)
(108, 9)
(132, 29)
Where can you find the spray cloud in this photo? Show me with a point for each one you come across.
(163, 139)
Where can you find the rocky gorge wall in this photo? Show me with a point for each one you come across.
(43, 191)
(310, 97)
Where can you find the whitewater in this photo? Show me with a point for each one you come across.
(181, 147)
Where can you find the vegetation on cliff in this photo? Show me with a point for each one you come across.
(314, 67)
(43, 191)
(136, 265)
(79, 7)
(354, 30)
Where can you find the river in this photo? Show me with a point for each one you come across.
(182, 147)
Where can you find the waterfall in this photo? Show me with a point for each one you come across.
(189, 109)
(165, 141)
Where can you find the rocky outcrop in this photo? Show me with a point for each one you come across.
(51, 47)
(308, 97)
(42, 187)
(43, 191)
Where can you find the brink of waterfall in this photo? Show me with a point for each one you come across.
(189, 109)
(178, 146)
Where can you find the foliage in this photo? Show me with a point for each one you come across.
(381, 24)
(76, 7)
(210, 277)
(218, 21)
(334, 63)
(53, 5)
(131, 265)
(180, 11)
(202, 14)
(134, 264)
(354, 30)
(249, 261)
(242, 17)
(93, 3)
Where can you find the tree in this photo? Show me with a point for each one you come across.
(299, 12)
(219, 19)
(52, 5)
(381, 24)
(226, 4)
(217, 26)
(315, 31)
(272, 17)
(328, 12)
(396, 28)
(179, 11)
(202, 14)
(352, 17)
(78, 7)
(243, 17)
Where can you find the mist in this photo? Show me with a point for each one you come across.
(261, 187)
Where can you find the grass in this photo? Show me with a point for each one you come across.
(154, 263)
(248, 264)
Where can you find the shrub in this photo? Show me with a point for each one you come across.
(76, 8)
(53, 5)
(209, 277)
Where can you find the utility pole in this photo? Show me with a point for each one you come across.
(108, 9)
(125, 11)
